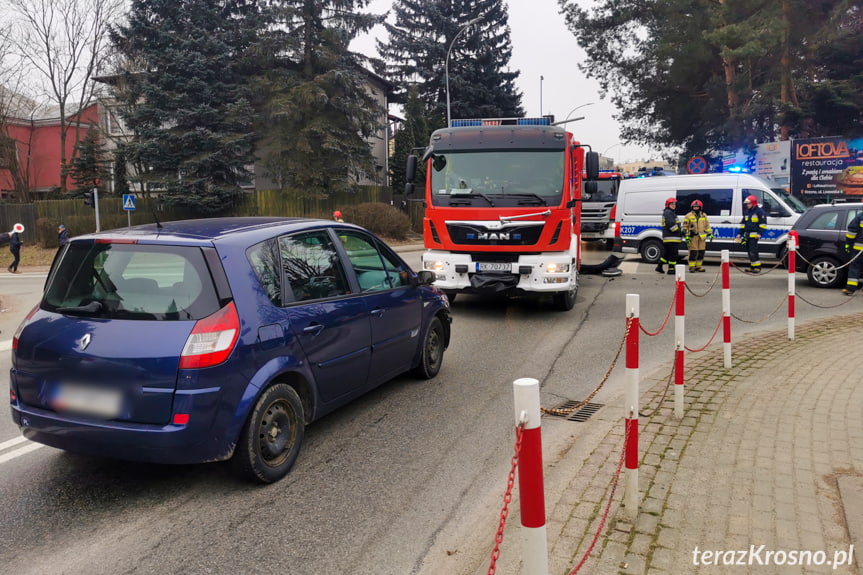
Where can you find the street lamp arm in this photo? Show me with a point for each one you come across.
(446, 64)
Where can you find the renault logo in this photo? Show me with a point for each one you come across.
(85, 341)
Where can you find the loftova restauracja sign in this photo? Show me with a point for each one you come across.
(827, 167)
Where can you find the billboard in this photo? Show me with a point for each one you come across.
(827, 168)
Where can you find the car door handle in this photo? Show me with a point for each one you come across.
(313, 329)
(378, 312)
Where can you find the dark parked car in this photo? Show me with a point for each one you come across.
(821, 231)
(204, 340)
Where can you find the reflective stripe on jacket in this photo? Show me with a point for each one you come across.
(754, 223)
(671, 230)
(855, 232)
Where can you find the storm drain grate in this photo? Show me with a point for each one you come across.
(582, 414)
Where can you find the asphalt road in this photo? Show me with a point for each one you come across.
(386, 485)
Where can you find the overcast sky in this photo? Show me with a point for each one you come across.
(542, 46)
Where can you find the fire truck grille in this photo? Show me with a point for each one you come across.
(476, 235)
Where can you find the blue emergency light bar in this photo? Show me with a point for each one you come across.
(536, 121)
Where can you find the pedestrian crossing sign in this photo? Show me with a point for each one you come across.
(128, 201)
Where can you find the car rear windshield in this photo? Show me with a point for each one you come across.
(131, 281)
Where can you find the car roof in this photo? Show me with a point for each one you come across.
(210, 230)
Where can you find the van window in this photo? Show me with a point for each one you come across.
(772, 207)
(717, 202)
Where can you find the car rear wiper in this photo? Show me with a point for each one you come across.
(92, 307)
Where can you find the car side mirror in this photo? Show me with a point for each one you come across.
(426, 277)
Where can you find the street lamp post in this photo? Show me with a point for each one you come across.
(446, 65)
(570, 114)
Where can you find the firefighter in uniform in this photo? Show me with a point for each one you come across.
(696, 230)
(752, 227)
(672, 235)
(854, 246)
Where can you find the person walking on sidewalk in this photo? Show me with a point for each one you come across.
(854, 246)
(672, 235)
(696, 230)
(752, 227)
(15, 248)
(62, 235)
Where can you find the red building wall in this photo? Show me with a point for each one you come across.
(39, 149)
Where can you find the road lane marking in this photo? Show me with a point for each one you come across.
(12, 442)
(19, 452)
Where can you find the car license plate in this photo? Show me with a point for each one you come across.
(493, 267)
(87, 400)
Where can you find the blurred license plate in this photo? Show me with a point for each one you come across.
(87, 400)
(493, 267)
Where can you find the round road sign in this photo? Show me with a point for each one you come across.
(696, 165)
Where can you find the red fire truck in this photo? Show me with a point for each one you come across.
(503, 209)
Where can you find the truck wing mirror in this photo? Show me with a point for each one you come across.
(591, 165)
(411, 169)
(590, 188)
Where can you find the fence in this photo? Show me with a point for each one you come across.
(40, 219)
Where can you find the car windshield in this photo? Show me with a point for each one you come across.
(131, 281)
(497, 178)
(789, 199)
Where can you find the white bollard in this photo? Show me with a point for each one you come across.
(630, 402)
(530, 481)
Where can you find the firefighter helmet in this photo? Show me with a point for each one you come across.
(337, 214)
(697, 204)
(670, 201)
(753, 201)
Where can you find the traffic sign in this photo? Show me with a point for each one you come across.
(128, 201)
(696, 165)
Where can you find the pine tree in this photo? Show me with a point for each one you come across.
(189, 103)
(89, 168)
(320, 113)
(413, 134)
(480, 82)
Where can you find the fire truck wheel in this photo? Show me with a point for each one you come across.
(565, 300)
(650, 250)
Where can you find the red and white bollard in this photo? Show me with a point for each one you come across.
(679, 314)
(726, 308)
(630, 398)
(792, 263)
(530, 483)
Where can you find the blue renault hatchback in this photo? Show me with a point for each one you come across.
(204, 340)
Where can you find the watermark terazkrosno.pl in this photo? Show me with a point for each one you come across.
(760, 555)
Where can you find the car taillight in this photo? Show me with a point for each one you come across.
(613, 213)
(212, 339)
(21, 327)
(617, 229)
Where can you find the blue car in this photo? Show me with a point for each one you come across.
(214, 339)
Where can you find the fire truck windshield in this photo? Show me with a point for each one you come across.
(498, 178)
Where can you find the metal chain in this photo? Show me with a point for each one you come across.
(507, 499)
(712, 284)
(765, 318)
(582, 403)
(667, 315)
(607, 510)
(846, 264)
(715, 331)
(664, 392)
(843, 302)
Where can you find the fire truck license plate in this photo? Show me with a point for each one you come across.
(493, 267)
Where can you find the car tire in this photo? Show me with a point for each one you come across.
(271, 437)
(823, 272)
(650, 250)
(431, 357)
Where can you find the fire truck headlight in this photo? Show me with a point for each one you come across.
(435, 266)
(557, 268)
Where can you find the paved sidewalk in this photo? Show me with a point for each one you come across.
(769, 452)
